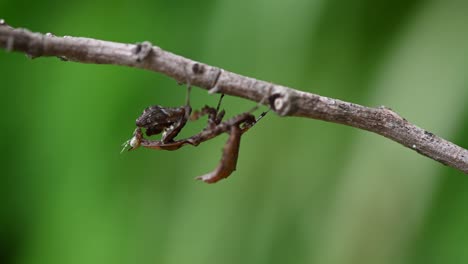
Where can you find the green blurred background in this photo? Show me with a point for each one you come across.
(305, 191)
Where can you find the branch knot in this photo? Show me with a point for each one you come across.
(142, 50)
(282, 102)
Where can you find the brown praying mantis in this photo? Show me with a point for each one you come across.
(170, 120)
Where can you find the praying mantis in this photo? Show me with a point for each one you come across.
(169, 121)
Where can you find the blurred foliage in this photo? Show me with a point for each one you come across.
(305, 191)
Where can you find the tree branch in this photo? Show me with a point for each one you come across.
(285, 101)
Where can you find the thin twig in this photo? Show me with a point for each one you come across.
(284, 101)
